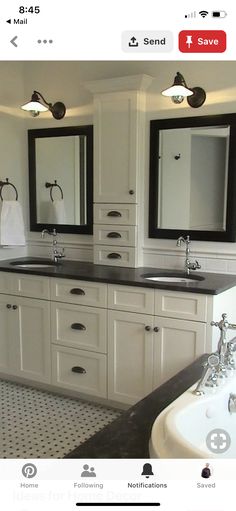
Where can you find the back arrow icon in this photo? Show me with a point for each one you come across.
(13, 41)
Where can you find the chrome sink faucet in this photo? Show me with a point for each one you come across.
(56, 254)
(188, 265)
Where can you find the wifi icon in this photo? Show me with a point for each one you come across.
(203, 14)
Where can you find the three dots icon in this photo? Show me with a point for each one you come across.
(44, 41)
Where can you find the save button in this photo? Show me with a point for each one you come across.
(202, 41)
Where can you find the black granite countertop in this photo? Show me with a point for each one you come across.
(128, 436)
(208, 283)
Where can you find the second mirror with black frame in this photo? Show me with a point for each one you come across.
(61, 179)
(192, 185)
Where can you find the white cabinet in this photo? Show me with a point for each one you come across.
(25, 338)
(115, 172)
(79, 370)
(119, 134)
(105, 340)
(177, 343)
(79, 336)
(130, 356)
(144, 350)
(79, 326)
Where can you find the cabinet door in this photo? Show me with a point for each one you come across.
(32, 318)
(115, 173)
(177, 344)
(130, 356)
(8, 336)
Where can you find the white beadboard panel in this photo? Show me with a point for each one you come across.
(231, 266)
(75, 252)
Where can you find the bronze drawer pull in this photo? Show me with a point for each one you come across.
(78, 326)
(113, 235)
(78, 369)
(77, 291)
(113, 255)
(114, 213)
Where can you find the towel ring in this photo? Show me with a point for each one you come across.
(51, 185)
(4, 183)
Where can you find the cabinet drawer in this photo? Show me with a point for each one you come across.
(115, 234)
(131, 299)
(25, 285)
(79, 292)
(79, 326)
(115, 255)
(79, 370)
(116, 214)
(181, 305)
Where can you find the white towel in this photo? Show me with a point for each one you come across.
(57, 214)
(12, 230)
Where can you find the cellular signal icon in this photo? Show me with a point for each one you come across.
(191, 15)
(203, 14)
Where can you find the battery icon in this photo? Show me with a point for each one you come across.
(219, 14)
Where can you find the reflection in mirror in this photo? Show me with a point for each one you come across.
(192, 178)
(193, 171)
(60, 166)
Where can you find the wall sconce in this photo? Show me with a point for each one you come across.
(179, 90)
(35, 106)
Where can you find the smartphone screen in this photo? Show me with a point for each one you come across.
(117, 256)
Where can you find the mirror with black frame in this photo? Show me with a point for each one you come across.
(192, 186)
(61, 179)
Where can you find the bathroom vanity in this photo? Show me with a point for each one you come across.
(104, 332)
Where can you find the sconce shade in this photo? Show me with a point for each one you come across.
(196, 96)
(179, 87)
(35, 106)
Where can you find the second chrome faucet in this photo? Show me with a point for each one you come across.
(187, 265)
(56, 255)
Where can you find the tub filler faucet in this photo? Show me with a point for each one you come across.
(218, 364)
(209, 375)
(225, 348)
(188, 265)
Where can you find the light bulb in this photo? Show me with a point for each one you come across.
(177, 99)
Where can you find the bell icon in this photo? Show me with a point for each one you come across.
(147, 470)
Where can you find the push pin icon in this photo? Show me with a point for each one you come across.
(189, 40)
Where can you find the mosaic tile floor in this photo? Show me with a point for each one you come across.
(38, 424)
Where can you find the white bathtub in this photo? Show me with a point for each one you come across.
(181, 429)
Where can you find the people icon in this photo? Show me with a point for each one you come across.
(206, 471)
(88, 472)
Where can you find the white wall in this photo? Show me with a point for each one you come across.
(13, 142)
(65, 81)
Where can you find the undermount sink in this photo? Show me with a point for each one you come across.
(33, 264)
(182, 428)
(171, 278)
